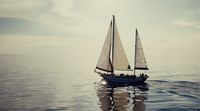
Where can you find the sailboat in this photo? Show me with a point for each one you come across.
(113, 60)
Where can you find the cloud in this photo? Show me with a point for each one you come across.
(45, 10)
(19, 26)
(22, 8)
(48, 14)
(184, 23)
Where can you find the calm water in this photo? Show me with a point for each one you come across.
(51, 83)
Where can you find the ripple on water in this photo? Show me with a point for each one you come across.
(173, 95)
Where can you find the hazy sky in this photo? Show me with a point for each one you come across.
(166, 27)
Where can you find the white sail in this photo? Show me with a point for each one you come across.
(140, 61)
(119, 59)
(104, 62)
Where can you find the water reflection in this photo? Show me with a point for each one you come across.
(113, 98)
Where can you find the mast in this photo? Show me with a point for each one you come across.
(113, 36)
(135, 49)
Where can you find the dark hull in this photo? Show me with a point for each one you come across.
(123, 80)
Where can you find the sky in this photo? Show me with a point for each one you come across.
(168, 28)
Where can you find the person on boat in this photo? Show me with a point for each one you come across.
(127, 76)
(121, 75)
(142, 75)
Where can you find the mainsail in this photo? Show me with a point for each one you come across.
(140, 61)
(119, 60)
(104, 62)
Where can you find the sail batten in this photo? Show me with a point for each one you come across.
(140, 61)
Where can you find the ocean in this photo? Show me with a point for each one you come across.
(66, 82)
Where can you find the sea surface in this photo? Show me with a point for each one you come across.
(61, 82)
